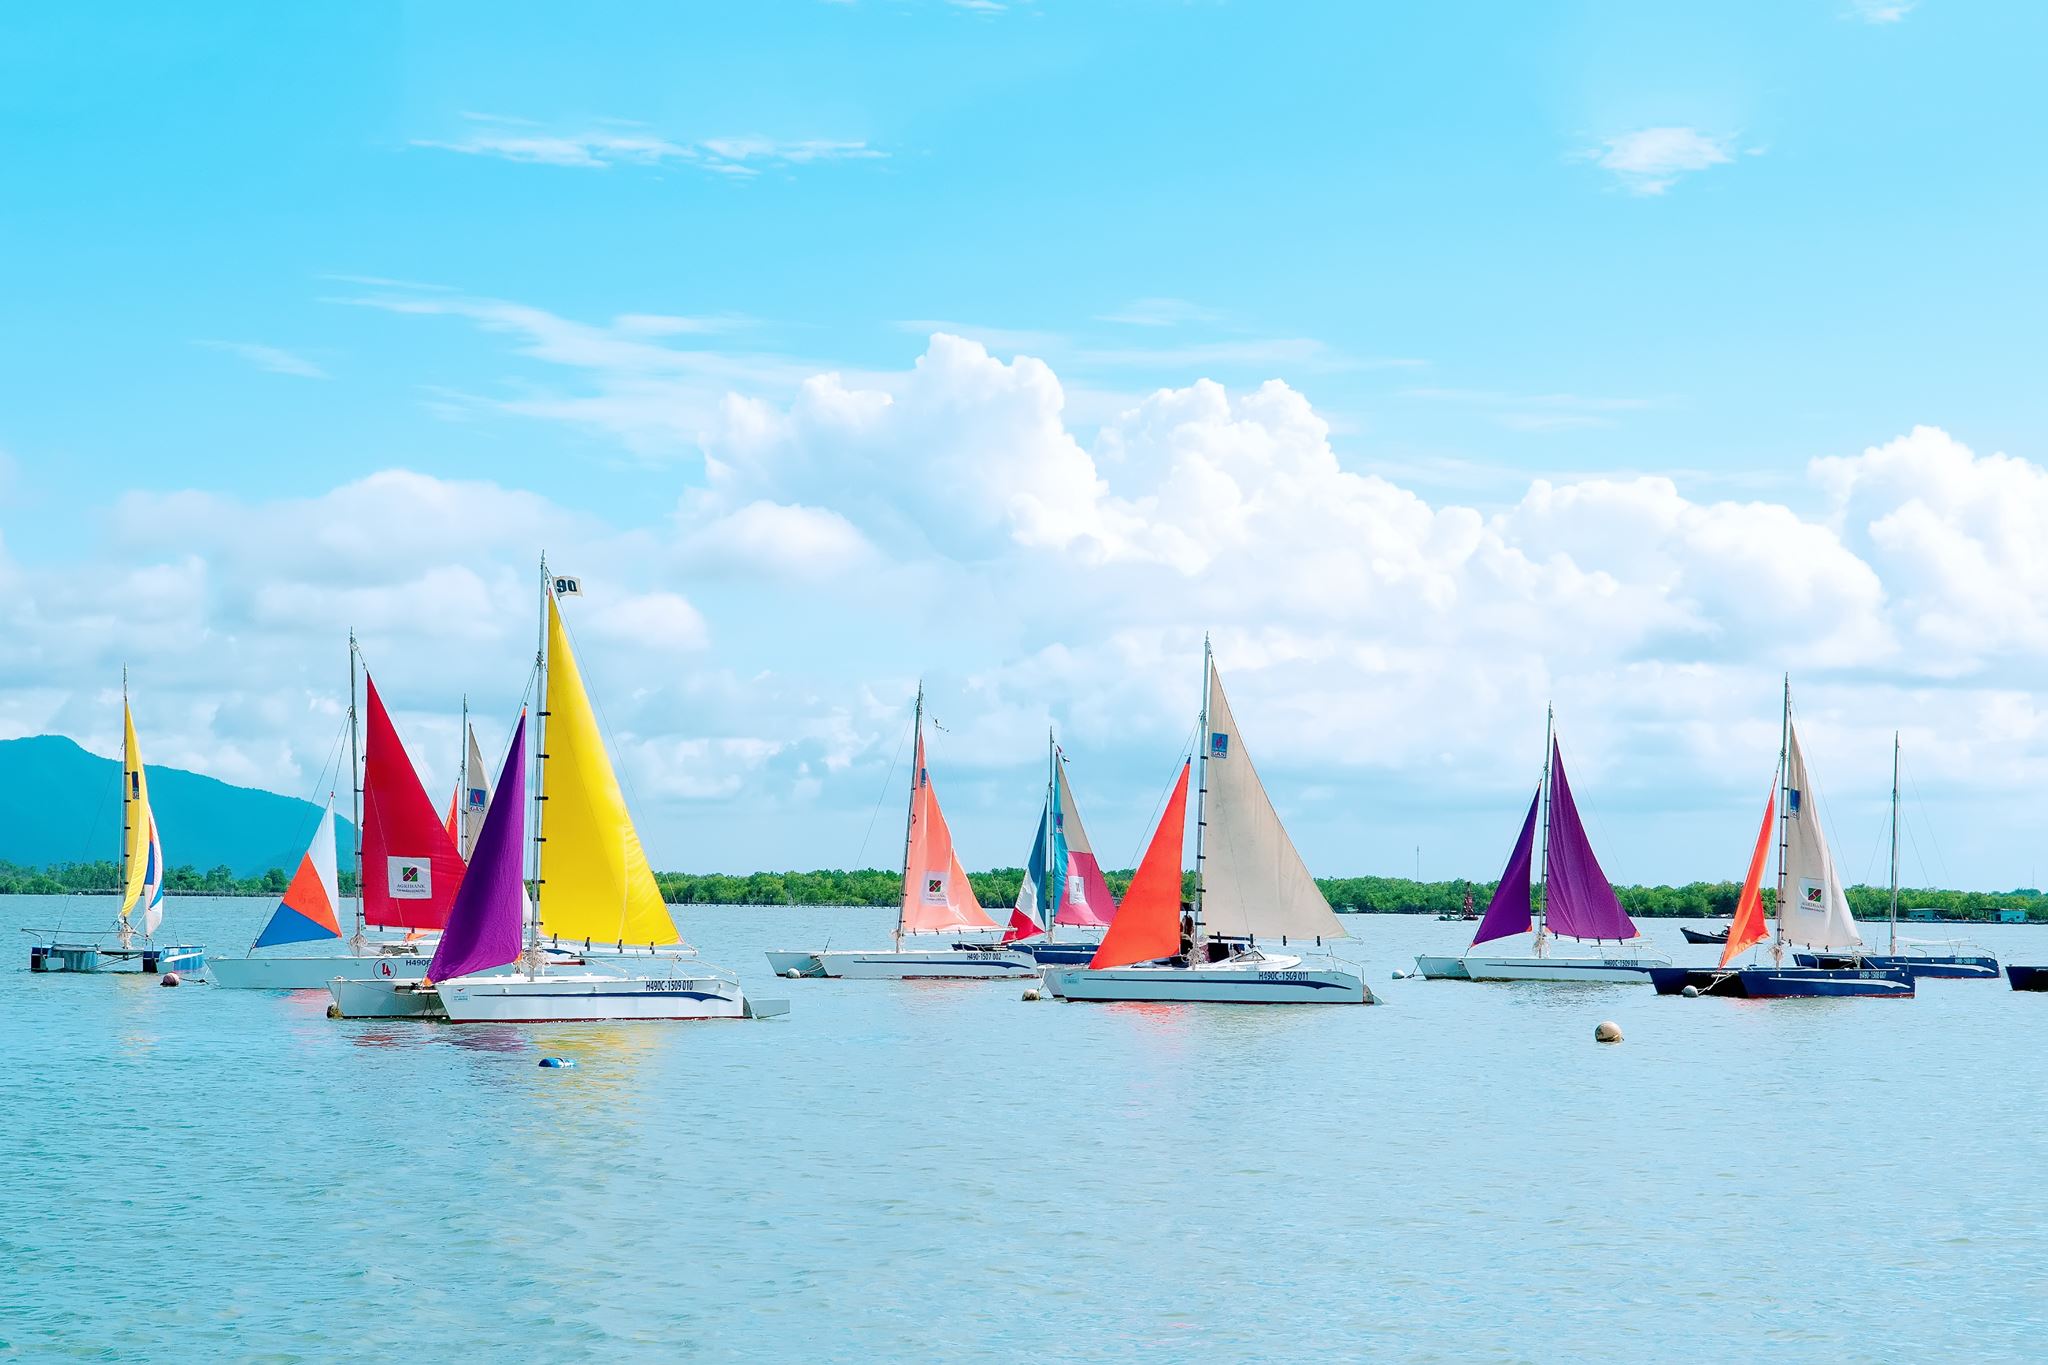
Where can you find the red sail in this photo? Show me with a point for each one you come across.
(410, 866)
(1147, 923)
(1748, 926)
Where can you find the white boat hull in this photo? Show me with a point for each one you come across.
(314, 973)
(934, 964)
(380, 998)
(1220, 984)
(1442, 968)
(566, 997)
(1620, 970)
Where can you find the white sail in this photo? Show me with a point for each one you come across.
(475, 798)
(1253, 882)
(1812, 911)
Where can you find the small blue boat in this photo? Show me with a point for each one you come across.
(1784, 983)
(2027, 978)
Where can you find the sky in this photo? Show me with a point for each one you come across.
(1440, 362)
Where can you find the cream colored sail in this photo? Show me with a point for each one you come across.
(1812, 911)
(594, 879)
(474, 799)
(1253, 882)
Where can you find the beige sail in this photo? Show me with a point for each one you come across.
(1253, 882)
(1812, 910)
(474, 800)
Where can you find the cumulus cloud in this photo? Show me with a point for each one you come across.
(753, 643)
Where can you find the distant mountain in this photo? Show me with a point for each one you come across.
(60, 804)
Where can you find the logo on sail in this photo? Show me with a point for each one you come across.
(411, 879)
(476, 798)
(1077, 889)
(1792, 800)
(1219, 745)
(1812, 894)
(934, 888)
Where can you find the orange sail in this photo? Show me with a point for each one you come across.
(1147, 923)
(936, 896)
(1748, 926)
(454, 815)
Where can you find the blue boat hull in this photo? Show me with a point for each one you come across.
(1784, 983)
(2028, 978)
(1962, 966)
(1061, 954)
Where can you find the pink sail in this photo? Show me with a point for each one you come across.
(1084, 896)
(1578, 900)
(411, 868)
(936, 895)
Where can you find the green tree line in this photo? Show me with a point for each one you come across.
(998, 886)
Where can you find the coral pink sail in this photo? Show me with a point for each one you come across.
(936, 896)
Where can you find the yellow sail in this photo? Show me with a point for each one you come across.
(595, 881)
(135, 817)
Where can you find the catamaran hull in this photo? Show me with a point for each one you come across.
(2028, 978)
(385, 999)
(935, 964)
(551, 998)
(1442, 968)
(1058, 954)
(313, 973)
(92, 957)
(1614, 970)
(1193, 985)
(1959, 966)
(1784, 983)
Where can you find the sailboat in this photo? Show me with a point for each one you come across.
(936, 900)
(592, 883)
(142, 889)
(1578, 900)
(1063, 884)
(485, 921)
(1250, 884)
(408, 870)
(1919, 958)
(1815, 915)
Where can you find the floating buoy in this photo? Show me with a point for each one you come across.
(334, 1011)
(1031, 993)
(1691, 992)
(556, 1062)
(1402, 973)
(170, 979)
(1607, 1031)
(795, 973)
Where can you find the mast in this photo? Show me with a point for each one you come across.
(910, 814)
(1543, 865)
(1202, 743)
(127, 793)
(540, 760)
(462, 784)
(1049, 896)
(1895, 843)
(355, 781)
(1784, 815)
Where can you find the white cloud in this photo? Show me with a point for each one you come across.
(1650, 160)
(1159, 313)
(272, 358)
(614, 142)
(1881, 11)
(752, 642)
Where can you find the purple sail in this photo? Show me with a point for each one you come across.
(1507, 914)
(1578, 902)
(484, 926)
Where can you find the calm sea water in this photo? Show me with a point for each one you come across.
(945, 1169)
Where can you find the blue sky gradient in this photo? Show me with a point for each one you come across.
(575, 274)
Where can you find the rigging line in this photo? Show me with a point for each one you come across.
(1187, 752)
(888, 780)
(1920, 806)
